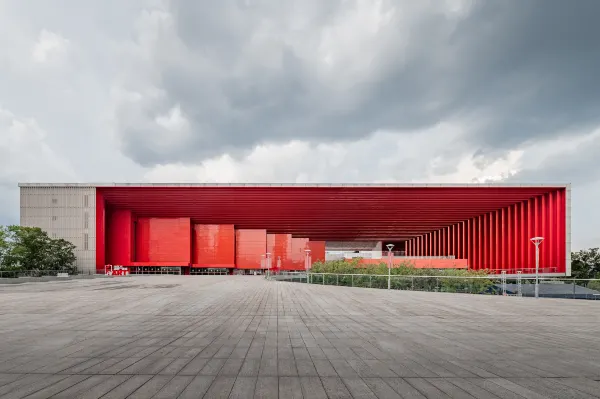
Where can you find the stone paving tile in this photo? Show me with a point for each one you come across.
(241, 337)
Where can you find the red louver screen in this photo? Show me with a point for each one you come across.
(163, 240)
(213, 245)
(251, 245)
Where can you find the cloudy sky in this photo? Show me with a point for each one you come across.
(302, 91)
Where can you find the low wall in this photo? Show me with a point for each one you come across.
(422, 263)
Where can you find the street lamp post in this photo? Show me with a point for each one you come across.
(390, 247)
(307, 263)
(537, 241)
(268, 256)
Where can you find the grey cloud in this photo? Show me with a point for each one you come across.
(516, 71)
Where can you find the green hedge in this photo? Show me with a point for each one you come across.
(378, 277)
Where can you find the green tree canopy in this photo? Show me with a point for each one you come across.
(585, 263)
(30, 248)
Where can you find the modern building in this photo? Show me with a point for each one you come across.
(194, 227)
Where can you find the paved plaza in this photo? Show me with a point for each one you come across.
(244, 337)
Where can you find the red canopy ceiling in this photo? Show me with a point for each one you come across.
(322, 212)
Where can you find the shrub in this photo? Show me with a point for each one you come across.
(377, 277)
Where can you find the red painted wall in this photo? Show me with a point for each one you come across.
(100, 232)
(500, 240)
(317, 251)
(280, 245)
(251, 245)
(119, 237)
(213, 245)
(421, 263)
(163, 240)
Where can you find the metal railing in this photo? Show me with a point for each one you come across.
(152, 270)
(485, 285)
(37, 273)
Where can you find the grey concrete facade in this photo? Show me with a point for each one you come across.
(67, 212)
(245, 337)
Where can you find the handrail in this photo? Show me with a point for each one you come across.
(432, 276)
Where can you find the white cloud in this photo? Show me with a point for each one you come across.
(300, 91)
(25, 156)
(383, 157)
(49, 48)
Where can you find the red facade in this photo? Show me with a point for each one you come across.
(162, 240)
(119, 237)
(317, 250)
(299, 247)
(213, 245)
(280, 248)
(486, 227)
(251, 246)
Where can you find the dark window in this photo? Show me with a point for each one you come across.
(85, 200)
(85, 241)
(54, 200)
(54, 217)
(86, 220)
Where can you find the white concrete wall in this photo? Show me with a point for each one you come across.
(64, 212)
(353, 246)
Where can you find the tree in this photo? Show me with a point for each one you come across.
(586, 263)
(4, 244)
(30, 248)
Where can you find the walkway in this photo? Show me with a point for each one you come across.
(244, 337)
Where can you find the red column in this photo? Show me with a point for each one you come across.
(484, 238)
(457, 240)
(522, 230)
(450, 231)
(509, 238)
(474, 235)
(503, 245)
(442, 241)
(453, 240)
(481, 242)
(490, 240)
(464, 239)
(551, 230)
(471, 242)
(499, 247)
(431, 243)
(543, 223)
(562, 228)
(530, 227)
